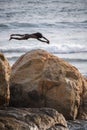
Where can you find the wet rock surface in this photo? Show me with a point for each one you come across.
(77, 125)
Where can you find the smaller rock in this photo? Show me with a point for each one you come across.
(4, 81)
(83, 105)
(31, 119)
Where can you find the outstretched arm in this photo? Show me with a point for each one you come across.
(46, 40)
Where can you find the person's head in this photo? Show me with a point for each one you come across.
(39, 35)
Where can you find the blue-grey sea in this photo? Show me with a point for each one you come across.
(63, 22)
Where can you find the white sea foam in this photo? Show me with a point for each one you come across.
(63, 22)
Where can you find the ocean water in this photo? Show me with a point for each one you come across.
(63, 22)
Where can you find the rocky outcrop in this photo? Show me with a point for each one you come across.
(4, 81)
(31, 119)
(40, 79)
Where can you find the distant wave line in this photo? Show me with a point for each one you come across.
(13, 50)
(75, 60)
(23, 50)
(82, 24)
(13, 58)
(4, 26)
(19, 24)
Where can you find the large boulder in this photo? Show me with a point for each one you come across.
(4, 80)
(31, 119)
(40, 79)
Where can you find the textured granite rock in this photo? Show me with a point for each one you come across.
(40, 79)
(4, 80)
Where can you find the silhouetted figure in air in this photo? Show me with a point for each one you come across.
(37, 36)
